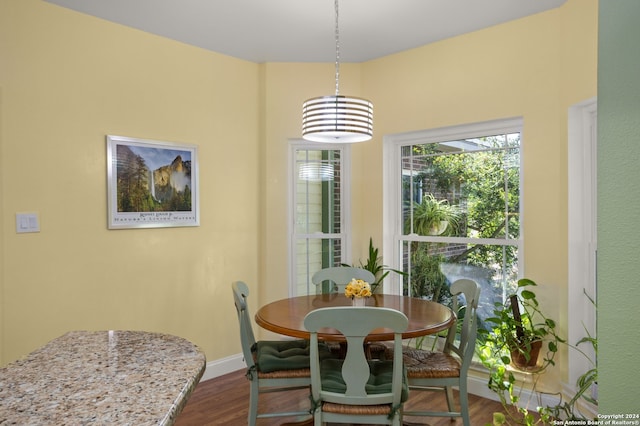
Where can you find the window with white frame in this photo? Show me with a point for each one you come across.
(319, 211)
(452, 209)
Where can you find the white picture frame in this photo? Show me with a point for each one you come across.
(151, 184)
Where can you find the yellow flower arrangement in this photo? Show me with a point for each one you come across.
(357, 289)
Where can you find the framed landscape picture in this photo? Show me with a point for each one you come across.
(151, 184)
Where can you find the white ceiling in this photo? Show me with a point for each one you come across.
(304, 30)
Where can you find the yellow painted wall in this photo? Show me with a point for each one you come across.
(66, 81)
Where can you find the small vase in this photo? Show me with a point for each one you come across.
(359, 301)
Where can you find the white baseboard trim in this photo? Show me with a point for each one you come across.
(478, 386)
(220, 367)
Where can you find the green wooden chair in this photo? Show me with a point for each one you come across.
(355, 389)
(434, 370)
(272, 366)
(339, 277)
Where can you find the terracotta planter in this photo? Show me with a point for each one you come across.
(518, 359)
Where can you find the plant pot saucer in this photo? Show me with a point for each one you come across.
(534, 369)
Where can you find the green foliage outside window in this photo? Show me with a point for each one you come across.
(480, 185)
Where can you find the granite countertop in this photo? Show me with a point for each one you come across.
(103, 378)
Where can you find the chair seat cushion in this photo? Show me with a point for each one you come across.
(429, 364)
(381, 373)
(275, 355)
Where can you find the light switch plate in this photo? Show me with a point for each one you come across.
(27, 222)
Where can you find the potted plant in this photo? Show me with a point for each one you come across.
(375, 266)
(434, 217)
(498, 358)
(520, 328)
(520, 331)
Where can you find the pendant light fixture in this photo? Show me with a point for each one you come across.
(337, 119)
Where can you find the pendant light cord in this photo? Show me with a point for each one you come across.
(337, 51)
(337, 119)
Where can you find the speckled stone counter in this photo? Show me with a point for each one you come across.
(101, 378)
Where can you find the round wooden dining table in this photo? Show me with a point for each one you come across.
(286, 316)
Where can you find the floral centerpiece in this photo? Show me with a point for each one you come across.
(358, 291)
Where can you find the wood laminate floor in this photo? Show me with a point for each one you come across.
(224, 401)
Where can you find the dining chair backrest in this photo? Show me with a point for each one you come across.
(464, 347)
(355, 323)
(247, 338)
(339, 277)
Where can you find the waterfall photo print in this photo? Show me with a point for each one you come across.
(151, 184)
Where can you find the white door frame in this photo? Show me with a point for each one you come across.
(582, 172)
